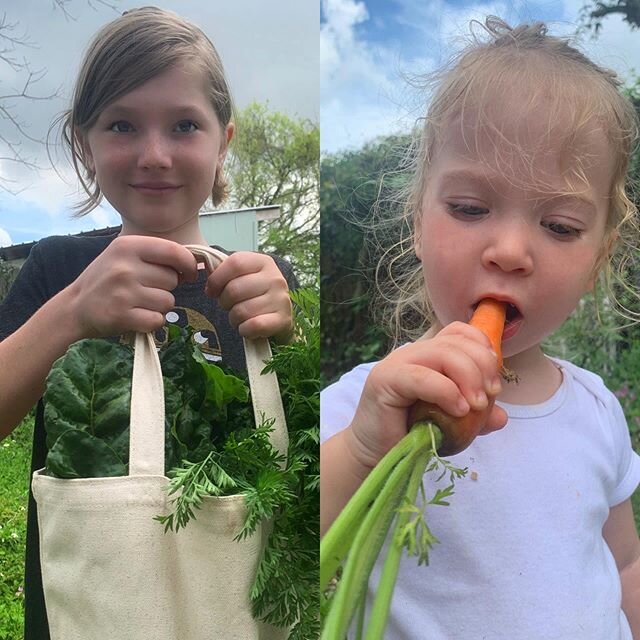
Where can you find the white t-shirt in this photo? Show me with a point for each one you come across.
(521, 553)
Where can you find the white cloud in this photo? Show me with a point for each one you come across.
(345, 58)
(5, 238)
(363, 92)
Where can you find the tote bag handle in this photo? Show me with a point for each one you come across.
(146, 439)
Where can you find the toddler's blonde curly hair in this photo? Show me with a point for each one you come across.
(544, 72)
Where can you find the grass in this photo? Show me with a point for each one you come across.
(15, 461)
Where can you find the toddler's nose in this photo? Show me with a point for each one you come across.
(509, 249)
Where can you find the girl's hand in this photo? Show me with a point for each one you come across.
(128, 286)
(253, 290)
(456, 370)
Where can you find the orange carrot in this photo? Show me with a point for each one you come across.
(489, 317)
(458, 433)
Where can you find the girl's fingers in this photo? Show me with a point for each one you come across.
(159, 277)
(236, 267)
(268, 303)
(262, 326)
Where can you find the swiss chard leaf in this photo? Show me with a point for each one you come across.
(90, 389)
(78, 454)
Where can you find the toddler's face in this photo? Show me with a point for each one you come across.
(495, 223)
(156, 150)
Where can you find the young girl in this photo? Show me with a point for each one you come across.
(148, 130)
(518, 195)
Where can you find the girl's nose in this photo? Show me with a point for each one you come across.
(509, 249)
(154, 153)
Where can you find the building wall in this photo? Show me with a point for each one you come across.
(237, 231)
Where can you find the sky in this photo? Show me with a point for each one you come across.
(372, 52)
(349, 64)
(270, 52)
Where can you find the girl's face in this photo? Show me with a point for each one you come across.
(489, 229)
(156, 151)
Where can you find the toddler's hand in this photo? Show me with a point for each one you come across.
(455, 370)
(253, 290)
(128, 286)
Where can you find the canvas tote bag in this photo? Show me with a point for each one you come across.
(109, 570)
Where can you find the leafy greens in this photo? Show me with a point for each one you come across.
(211, 447)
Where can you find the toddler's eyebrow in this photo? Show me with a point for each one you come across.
(492, 180)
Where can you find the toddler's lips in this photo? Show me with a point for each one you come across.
(513, 321)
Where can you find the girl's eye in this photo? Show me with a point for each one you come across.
(121, 126)
(562, 230)
(467, 209)
(186, 126)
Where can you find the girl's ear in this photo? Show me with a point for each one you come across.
(224, 146)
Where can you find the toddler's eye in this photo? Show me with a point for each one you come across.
(186, 126)
(121, 126)
(562, 230)
(467, 209)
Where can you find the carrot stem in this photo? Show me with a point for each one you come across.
(339, 538)
(386, 584)
(365, 549)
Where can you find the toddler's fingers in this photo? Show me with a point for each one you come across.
(497, 420)
(471, 365)
(462, 368)
(463, 329)
(415, 383)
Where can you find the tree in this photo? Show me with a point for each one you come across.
(8, 274)
(274, 161)
(592, 13)
(13, 43)
(353, 184)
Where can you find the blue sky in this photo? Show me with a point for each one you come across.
(270, 52)
(368, 49)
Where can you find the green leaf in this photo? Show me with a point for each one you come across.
(89, 388)
(77, 454)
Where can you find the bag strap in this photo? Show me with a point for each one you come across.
(146, 440)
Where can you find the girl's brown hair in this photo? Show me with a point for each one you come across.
(124, 54)
(543, 71)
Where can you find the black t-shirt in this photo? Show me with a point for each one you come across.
(52, 265)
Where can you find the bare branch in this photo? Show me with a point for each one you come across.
(94, 4)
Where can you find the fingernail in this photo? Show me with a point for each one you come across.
(495, 386)
(463, 406)
(481, 399)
